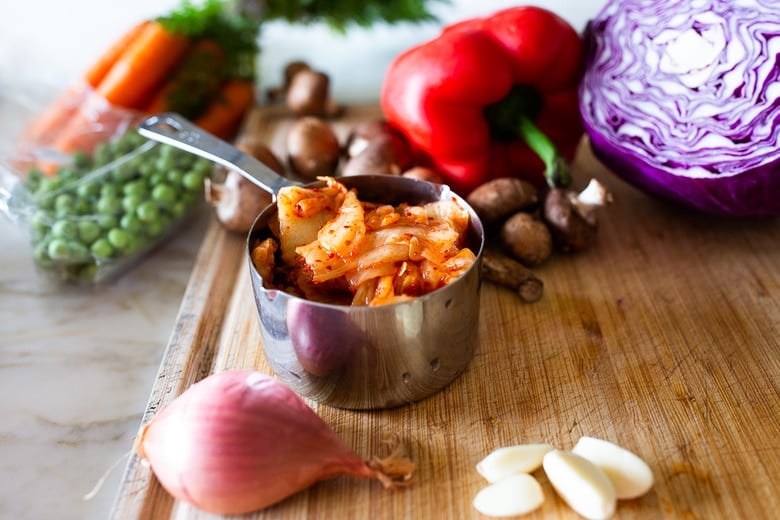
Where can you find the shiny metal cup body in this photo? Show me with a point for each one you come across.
(372, 357)
(355, 357)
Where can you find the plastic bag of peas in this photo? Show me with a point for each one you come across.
(95, 215)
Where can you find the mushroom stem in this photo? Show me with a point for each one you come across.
(595, 195)
(213, 192)
(504, 271)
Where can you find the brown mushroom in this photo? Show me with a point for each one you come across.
(571, 216)
(278, 93)
(527, 239)
(313, 149)
(291, 69)
(367, 131)
(423, 173)
(237, 201)
(309, 94)
(496, 200)
(377, 158)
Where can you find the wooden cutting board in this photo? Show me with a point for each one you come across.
(663, 338)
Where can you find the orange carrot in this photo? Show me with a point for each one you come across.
(143, 66)
(224, 115)
(193, 83)
(98, 70)
(44, 129)
(95, 121)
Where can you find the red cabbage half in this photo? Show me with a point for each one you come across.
(682, 99)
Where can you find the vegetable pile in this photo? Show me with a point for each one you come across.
(93, 216)
(197, 61)
(240, 440)
(682, 100)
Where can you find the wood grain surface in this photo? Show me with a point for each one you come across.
(664, 338)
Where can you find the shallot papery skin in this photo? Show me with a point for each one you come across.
(682, 99)
(239, 441)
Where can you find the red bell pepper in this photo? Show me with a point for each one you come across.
(491, 97)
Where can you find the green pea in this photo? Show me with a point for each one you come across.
(102, 248)
(147, 211)
(118, 238)
(88, 190)
(178, 209)
(124, 145)
(135, 138)
(102, 154)
(130, 203)
(109, 190)
(146, 169)
(89, 231)
(58, 249)
(50, 184)
(81, 160)
(131, 223)
(63, 202)
(156, 178)
(45, 203)
(109, 205)
(174, 177)
(34, 178)
(192, 181)
(78, 252)
(138, 187)
(40, 221)
(164, 194)
(167, 151)
(165, 163)
(67, 175)
(107, 221)
(65, 229)
(82, 207)
(125, 171)
(202, 166)
(41, 251)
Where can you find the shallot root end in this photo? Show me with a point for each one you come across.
(394, 470)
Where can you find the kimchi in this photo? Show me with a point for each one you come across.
(331, 247)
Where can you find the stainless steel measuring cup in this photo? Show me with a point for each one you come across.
(352, 356)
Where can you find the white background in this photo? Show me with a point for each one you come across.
(47, 43)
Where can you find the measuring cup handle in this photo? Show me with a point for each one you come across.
(176, 131)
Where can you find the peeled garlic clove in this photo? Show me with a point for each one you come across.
(503, 462)
(515, 495)
(630, 475)
(581, 484)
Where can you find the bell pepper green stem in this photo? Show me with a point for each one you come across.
(556, 170)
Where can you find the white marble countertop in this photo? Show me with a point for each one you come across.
(77, 365)
(76, 369)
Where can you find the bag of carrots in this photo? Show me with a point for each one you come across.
(198, 61)
(95, 195)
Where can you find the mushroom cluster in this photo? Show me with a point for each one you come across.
(530, 226)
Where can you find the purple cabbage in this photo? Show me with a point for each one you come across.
(682, 99)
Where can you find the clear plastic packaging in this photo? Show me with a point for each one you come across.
(93, 211)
